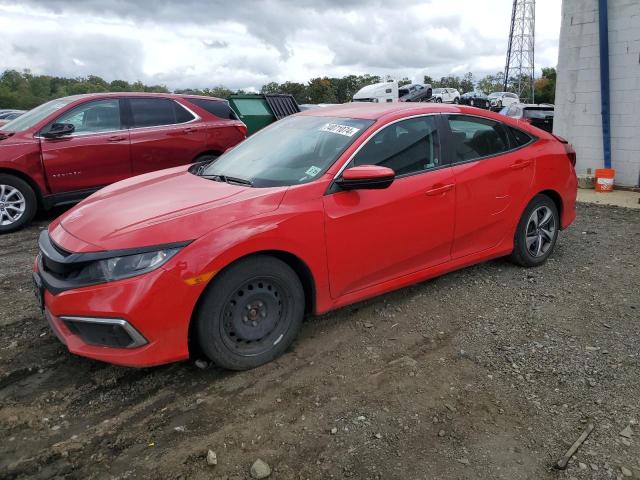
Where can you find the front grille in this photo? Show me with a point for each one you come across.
(100, 334)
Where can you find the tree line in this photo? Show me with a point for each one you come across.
(23, 90)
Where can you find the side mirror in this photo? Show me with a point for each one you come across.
(58, 130)
(369, 177)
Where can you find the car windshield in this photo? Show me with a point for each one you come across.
(30, 118)
(292, 151)
(495, 94)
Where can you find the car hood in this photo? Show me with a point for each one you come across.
(158, 208)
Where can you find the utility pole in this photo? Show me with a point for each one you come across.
(519, 69)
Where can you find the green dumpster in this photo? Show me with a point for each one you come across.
(258, 111)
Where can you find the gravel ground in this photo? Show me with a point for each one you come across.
(489, 372)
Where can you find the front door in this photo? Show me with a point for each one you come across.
(95, 155)
(373, 236)
(492, 176)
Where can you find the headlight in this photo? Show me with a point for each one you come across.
(117, 268)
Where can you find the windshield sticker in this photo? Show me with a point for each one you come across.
(345, 130)
(313, 171)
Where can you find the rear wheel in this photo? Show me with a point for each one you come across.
(251, 313)
(207, 157)
(456, 100)
(536, 232)
(18, 203)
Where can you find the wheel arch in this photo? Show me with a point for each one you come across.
(27, 179)
(298, 265)
(555, 197)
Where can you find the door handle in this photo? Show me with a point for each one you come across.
(116, 139)
(190, 130)
(520, 164)
(439, 188)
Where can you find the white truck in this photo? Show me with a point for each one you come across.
(382, 92)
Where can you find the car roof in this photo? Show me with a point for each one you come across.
(140, 94)
(375, 111)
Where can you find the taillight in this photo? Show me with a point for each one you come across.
(242, 129)
(571, 153)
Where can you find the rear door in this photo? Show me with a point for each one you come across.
(95, 155)
(373, 236)
(164, 134)
(493, 175)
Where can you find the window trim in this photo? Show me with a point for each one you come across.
(449, 138)
(129, 110)
(123, 125)
(439, 126)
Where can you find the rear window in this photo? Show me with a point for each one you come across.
(519, 137)
(215, 107)
(153, 112)
(538, 113)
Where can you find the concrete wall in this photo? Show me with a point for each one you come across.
(578, 109)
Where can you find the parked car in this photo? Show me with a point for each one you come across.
(6, 117)
(446, 95)
(382, 92)
(502, 99)
(540, 116)
(316, 211)
(65, 149)
(475, 99)
(415, 92)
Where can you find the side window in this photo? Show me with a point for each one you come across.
(91, 117)
(519, 137)
(475, 137)
(409, 146)
(153, 112)
(215, 107)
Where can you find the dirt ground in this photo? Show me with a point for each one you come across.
(489, 372)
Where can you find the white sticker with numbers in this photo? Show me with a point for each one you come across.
(345, 130)
(312, 171)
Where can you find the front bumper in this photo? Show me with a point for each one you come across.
(153, 309)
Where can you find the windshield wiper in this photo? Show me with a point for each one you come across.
(227, 179)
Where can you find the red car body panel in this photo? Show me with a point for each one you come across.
(353, 244)
(80, 163)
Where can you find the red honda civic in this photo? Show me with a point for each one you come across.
(319, 210)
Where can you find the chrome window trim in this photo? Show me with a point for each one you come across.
(375, 132)
(195, 118)
(138, 339)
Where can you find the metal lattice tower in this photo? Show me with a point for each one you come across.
(519, 69)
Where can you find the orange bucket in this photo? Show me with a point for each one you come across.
(604, 179)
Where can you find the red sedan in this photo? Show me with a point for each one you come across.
(66, 149)
(320, 210)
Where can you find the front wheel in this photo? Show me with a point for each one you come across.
(536, 232)
(18, 203)
(438, 100)
(456, 100)
(251, 313)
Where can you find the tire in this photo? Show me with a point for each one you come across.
(207, 157)
(533, 243)
(499, 104)
(456, 100)
(438, 100)
(251, 313)
(18, 203)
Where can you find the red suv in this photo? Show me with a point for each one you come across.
(66, 149)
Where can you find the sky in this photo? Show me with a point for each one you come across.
(244, 44)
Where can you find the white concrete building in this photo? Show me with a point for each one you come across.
(578, 93)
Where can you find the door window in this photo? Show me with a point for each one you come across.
(91, 117)
(409, 146)
(154, 112)
(475, 137)
(219, 108)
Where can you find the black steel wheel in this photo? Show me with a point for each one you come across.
(537, 232)
(251, 313)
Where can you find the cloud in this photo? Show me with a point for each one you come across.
(244, 44)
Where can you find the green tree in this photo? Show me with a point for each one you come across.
(545, 86)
